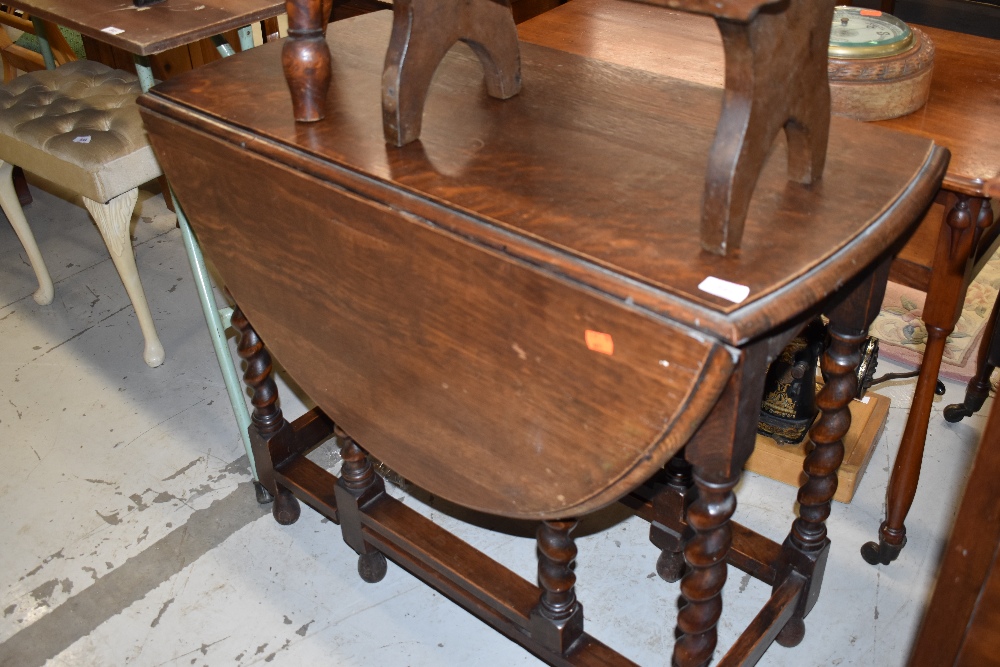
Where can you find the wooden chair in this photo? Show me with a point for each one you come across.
(16, 57)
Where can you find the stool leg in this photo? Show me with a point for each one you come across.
(113, 220)
(12, 207)
(21, 187)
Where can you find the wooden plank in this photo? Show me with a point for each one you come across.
(471, 579)
(960, 626)
(784, 462)
(750, 646)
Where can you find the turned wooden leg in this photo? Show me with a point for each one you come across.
(557, 620)
(987, 359)
(266, 420)
(422, 33)
(357, 487)
(705, 554)
(12, 207)
(807, 546)
(305, 59)
(113, 219)
(672, 501)
(965, 220)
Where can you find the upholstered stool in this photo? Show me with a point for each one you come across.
(78, 126)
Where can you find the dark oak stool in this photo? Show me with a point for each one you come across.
(515, 312)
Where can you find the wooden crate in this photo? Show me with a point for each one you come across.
(784, 462)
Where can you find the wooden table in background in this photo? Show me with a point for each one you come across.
(957, 235)
(155, 30)
(146, 32)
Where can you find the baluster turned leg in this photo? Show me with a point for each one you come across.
(705, 554)
(672, 502)
(557, 620)
(266, 419)
(305, 59)
(358, 486)
(966, 219)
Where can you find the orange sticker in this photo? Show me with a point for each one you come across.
(870, 12)
(599, 342)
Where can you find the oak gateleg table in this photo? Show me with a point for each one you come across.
(512, 313)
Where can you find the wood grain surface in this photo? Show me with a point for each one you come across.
(446, 328)
(960, 113)
(619, 145)
(152, 29)
(507, 311)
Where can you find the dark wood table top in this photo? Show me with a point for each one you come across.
(520, 291)
(148, 30)
(641, 143)
(960, 115)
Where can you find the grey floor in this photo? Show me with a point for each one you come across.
(131, 534)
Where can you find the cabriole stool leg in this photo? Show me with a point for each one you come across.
(113, 219)
(12, 207)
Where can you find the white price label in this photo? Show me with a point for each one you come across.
(724, 289)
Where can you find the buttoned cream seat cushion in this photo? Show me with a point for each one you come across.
(42, 113)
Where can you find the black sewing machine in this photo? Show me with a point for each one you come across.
(789, 405)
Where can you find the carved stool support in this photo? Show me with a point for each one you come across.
(358, 486)
(422, 32)
(673, 501)
(763, 95)
(267, 421)
(305, 58)
(705, 554)
(557, 621)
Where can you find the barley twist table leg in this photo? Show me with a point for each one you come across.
(266, 419)
(701, 587)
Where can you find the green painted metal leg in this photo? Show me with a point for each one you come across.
(222, 46)
(246, 37)
(43, 43)
(145, 72)
(217, 321)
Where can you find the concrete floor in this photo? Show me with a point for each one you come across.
(131, 534)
